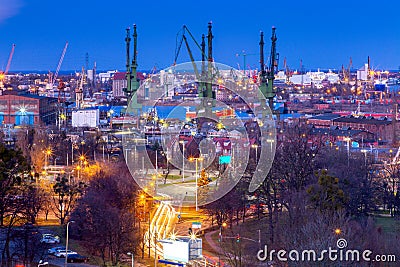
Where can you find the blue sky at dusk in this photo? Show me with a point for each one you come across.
(322, 34)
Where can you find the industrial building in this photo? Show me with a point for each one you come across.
(120, 83)
(27, 109)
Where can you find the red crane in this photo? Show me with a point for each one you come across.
(53, 78)
(3, 74)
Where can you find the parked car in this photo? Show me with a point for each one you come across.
(50, 239)
(77, 258)
(62, 253)
(53, 251)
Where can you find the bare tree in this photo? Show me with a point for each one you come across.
(34, 199)
(65, 196)
(106, 214)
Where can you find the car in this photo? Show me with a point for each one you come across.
(53, 251)
(77, 258)
(50, 239)
(62, 253)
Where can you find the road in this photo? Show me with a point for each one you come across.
(161, 226)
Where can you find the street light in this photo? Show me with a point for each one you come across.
(47, 153)
(348, 149)
(78, 168)
(256, 148)
(365, 155)
(183, 159)
(223, 225)
(66, 244)
(196, 160)
(271, 142)
(131, 254)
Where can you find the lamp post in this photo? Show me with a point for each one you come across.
(196, 160)
(155, 245)
(47, 153)
(66, 244)
(220, 241)
(183, 160)
(78, 168)
(348, 149)
(365, 155)
(255, 146)
(131, 254)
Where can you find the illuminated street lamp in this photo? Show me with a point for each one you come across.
(365, 155)
(66, 244)
(255, 146)
(79, 173)
(196, 160)
(223, 225)
(183, 159)
(271, 141)
(47, 153)
(348, 139)
(131, 254)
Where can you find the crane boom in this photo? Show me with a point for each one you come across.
(183, 38)
(9, 59)
(54, 78)
(191, 57)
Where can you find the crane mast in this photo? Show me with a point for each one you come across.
(3, 75)
(131, 72)
(273, 64)
(267, 76)
(9, 59)
(79, 90)
(53, 78)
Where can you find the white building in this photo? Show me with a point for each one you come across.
(86, 118)
(362, 74)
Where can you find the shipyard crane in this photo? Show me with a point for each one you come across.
(205, 88)
(286, 70)
(350, 65)
(79, 90)
(183, 38)
(3, 75)
(131, 73)
(267, 76)
(244, 55)
(53, 78)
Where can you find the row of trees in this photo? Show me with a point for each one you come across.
(311, 190)
(104, 207)
(22, 199)
(106, 217)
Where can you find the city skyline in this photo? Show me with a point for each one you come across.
(320, 36)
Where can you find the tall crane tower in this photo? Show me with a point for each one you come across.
(205, 78)
(268, 76)
(79, 90)
(131, 71)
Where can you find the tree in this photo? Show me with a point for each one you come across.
(13, 169)
(327, 194)
(65, 196)
(390, 176)
(34, 199)
(106, 214)
(40, 143)
(356, 179)
(204, 178)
